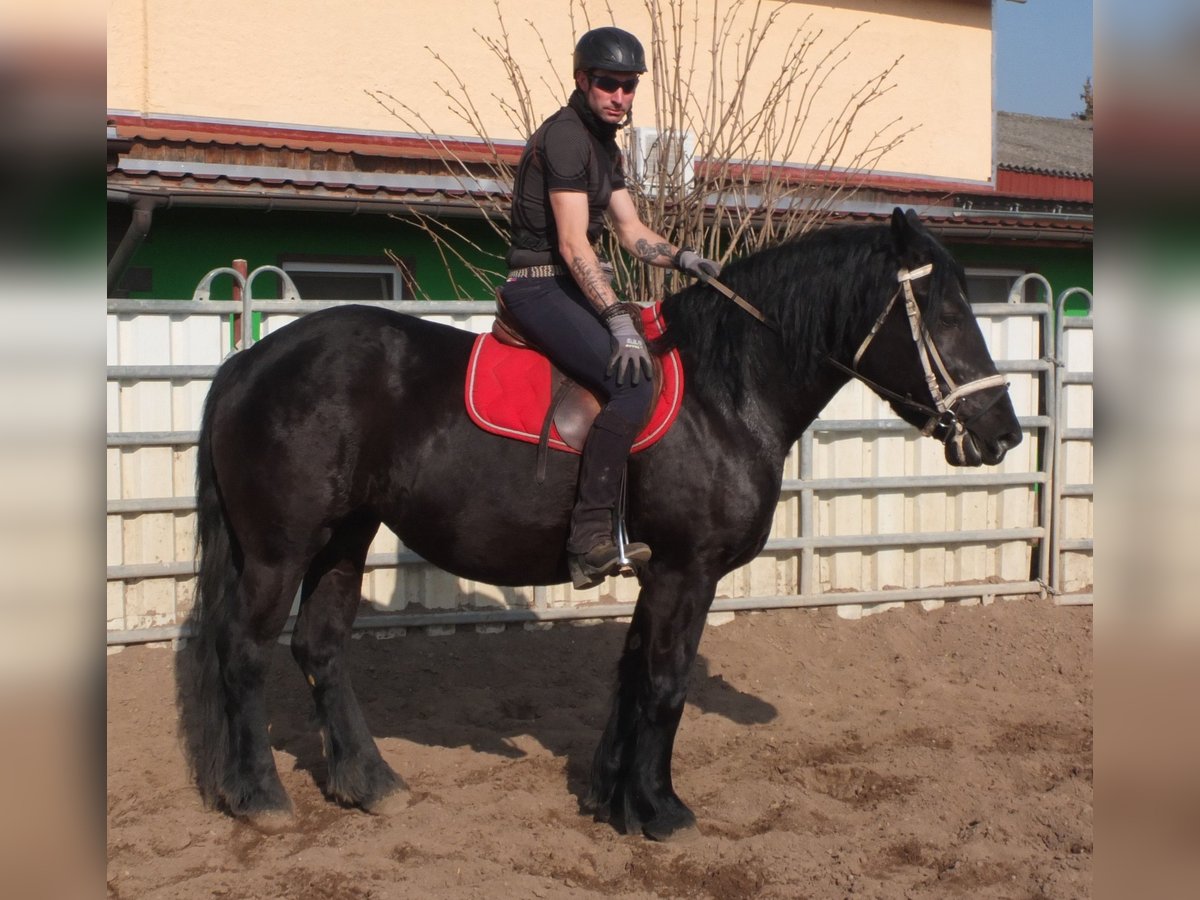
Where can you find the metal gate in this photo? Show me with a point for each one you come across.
(1071, 534)
(870, 514)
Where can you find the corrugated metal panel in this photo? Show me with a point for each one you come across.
(1043, 186)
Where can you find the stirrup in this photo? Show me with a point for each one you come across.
(619, 557)
(593, 567)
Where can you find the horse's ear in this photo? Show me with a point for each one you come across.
(905, 228)
(901, 229)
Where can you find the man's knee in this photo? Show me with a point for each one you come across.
(633, 402)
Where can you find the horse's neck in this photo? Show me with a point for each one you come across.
(772, 409)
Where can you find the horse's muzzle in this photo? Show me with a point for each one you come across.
(965, 448)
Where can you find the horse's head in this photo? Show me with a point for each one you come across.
(926, 354)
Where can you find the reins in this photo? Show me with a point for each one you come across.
(738, 299)
(944, 422)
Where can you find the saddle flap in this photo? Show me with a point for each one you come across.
(511, 391)
(574, 414)
(578, 407)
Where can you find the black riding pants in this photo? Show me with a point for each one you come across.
(555, 315)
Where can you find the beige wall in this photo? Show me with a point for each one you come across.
(312, 62)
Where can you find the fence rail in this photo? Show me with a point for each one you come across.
(866, 503)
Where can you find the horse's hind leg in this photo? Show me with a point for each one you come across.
(329, 601)
(250, 786)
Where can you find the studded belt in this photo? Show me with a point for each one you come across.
(550, 270)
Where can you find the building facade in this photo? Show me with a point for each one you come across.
(321, 144)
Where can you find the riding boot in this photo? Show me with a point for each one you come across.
(592, 553)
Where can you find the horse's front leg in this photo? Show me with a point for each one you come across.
(631, 772)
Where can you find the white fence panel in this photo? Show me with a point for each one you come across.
(870, 513)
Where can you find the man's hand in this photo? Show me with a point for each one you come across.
(629, 350)
(696, 265)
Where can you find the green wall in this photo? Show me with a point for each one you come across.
(1063, 267)
(184, 244)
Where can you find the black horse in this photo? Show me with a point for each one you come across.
(354, 416)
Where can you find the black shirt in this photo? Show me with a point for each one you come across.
(571, 151)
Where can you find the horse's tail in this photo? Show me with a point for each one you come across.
(200, 687)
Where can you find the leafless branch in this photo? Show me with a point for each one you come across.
(766, 168)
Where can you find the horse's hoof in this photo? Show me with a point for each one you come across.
(599, 809)
(682, 835)
(390, 804)
(672, 825)
(271, 821)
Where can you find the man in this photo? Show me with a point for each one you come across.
(560, 292)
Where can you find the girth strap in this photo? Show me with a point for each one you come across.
(543, 452)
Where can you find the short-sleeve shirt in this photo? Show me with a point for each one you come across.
(563, 155)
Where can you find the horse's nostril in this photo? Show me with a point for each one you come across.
(1010, 440)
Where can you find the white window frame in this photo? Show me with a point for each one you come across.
(988, 272)
(350, 268)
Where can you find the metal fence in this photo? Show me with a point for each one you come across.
(870, 513)
(1071, 554)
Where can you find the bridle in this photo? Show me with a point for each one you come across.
(944, 422)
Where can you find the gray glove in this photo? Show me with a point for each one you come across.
(696, 265)
(629, 350)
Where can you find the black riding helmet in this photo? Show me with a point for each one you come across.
(611, 49)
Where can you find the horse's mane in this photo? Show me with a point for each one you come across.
(820, 291)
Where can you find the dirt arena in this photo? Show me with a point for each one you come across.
(908, 754)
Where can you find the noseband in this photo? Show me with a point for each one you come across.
(944, 422)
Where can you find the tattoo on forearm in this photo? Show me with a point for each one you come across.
(648, 252)
(589, 276)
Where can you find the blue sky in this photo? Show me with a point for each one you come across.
(1043, 53)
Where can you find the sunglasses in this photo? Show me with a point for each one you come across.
(609, 85)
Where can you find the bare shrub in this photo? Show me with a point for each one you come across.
(730, 164)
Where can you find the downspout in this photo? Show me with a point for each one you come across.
(143, 209)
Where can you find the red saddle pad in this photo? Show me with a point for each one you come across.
(508, 390)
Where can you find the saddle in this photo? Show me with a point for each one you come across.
(514, 391)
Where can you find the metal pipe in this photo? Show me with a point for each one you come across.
(243, 325)
(133, 506)
(161, 373)
(1047, 376)
(183, 438)
(864, 542)
(617, 610)
(150, 505)
(152, 438)
(288, 290)
(203, 305)
(204, 289)
(265, 202)
(139, 227)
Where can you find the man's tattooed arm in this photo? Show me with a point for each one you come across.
(595, 284)
(651, 253)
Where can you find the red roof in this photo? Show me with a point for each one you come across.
(1043, 186)
(189, 158)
